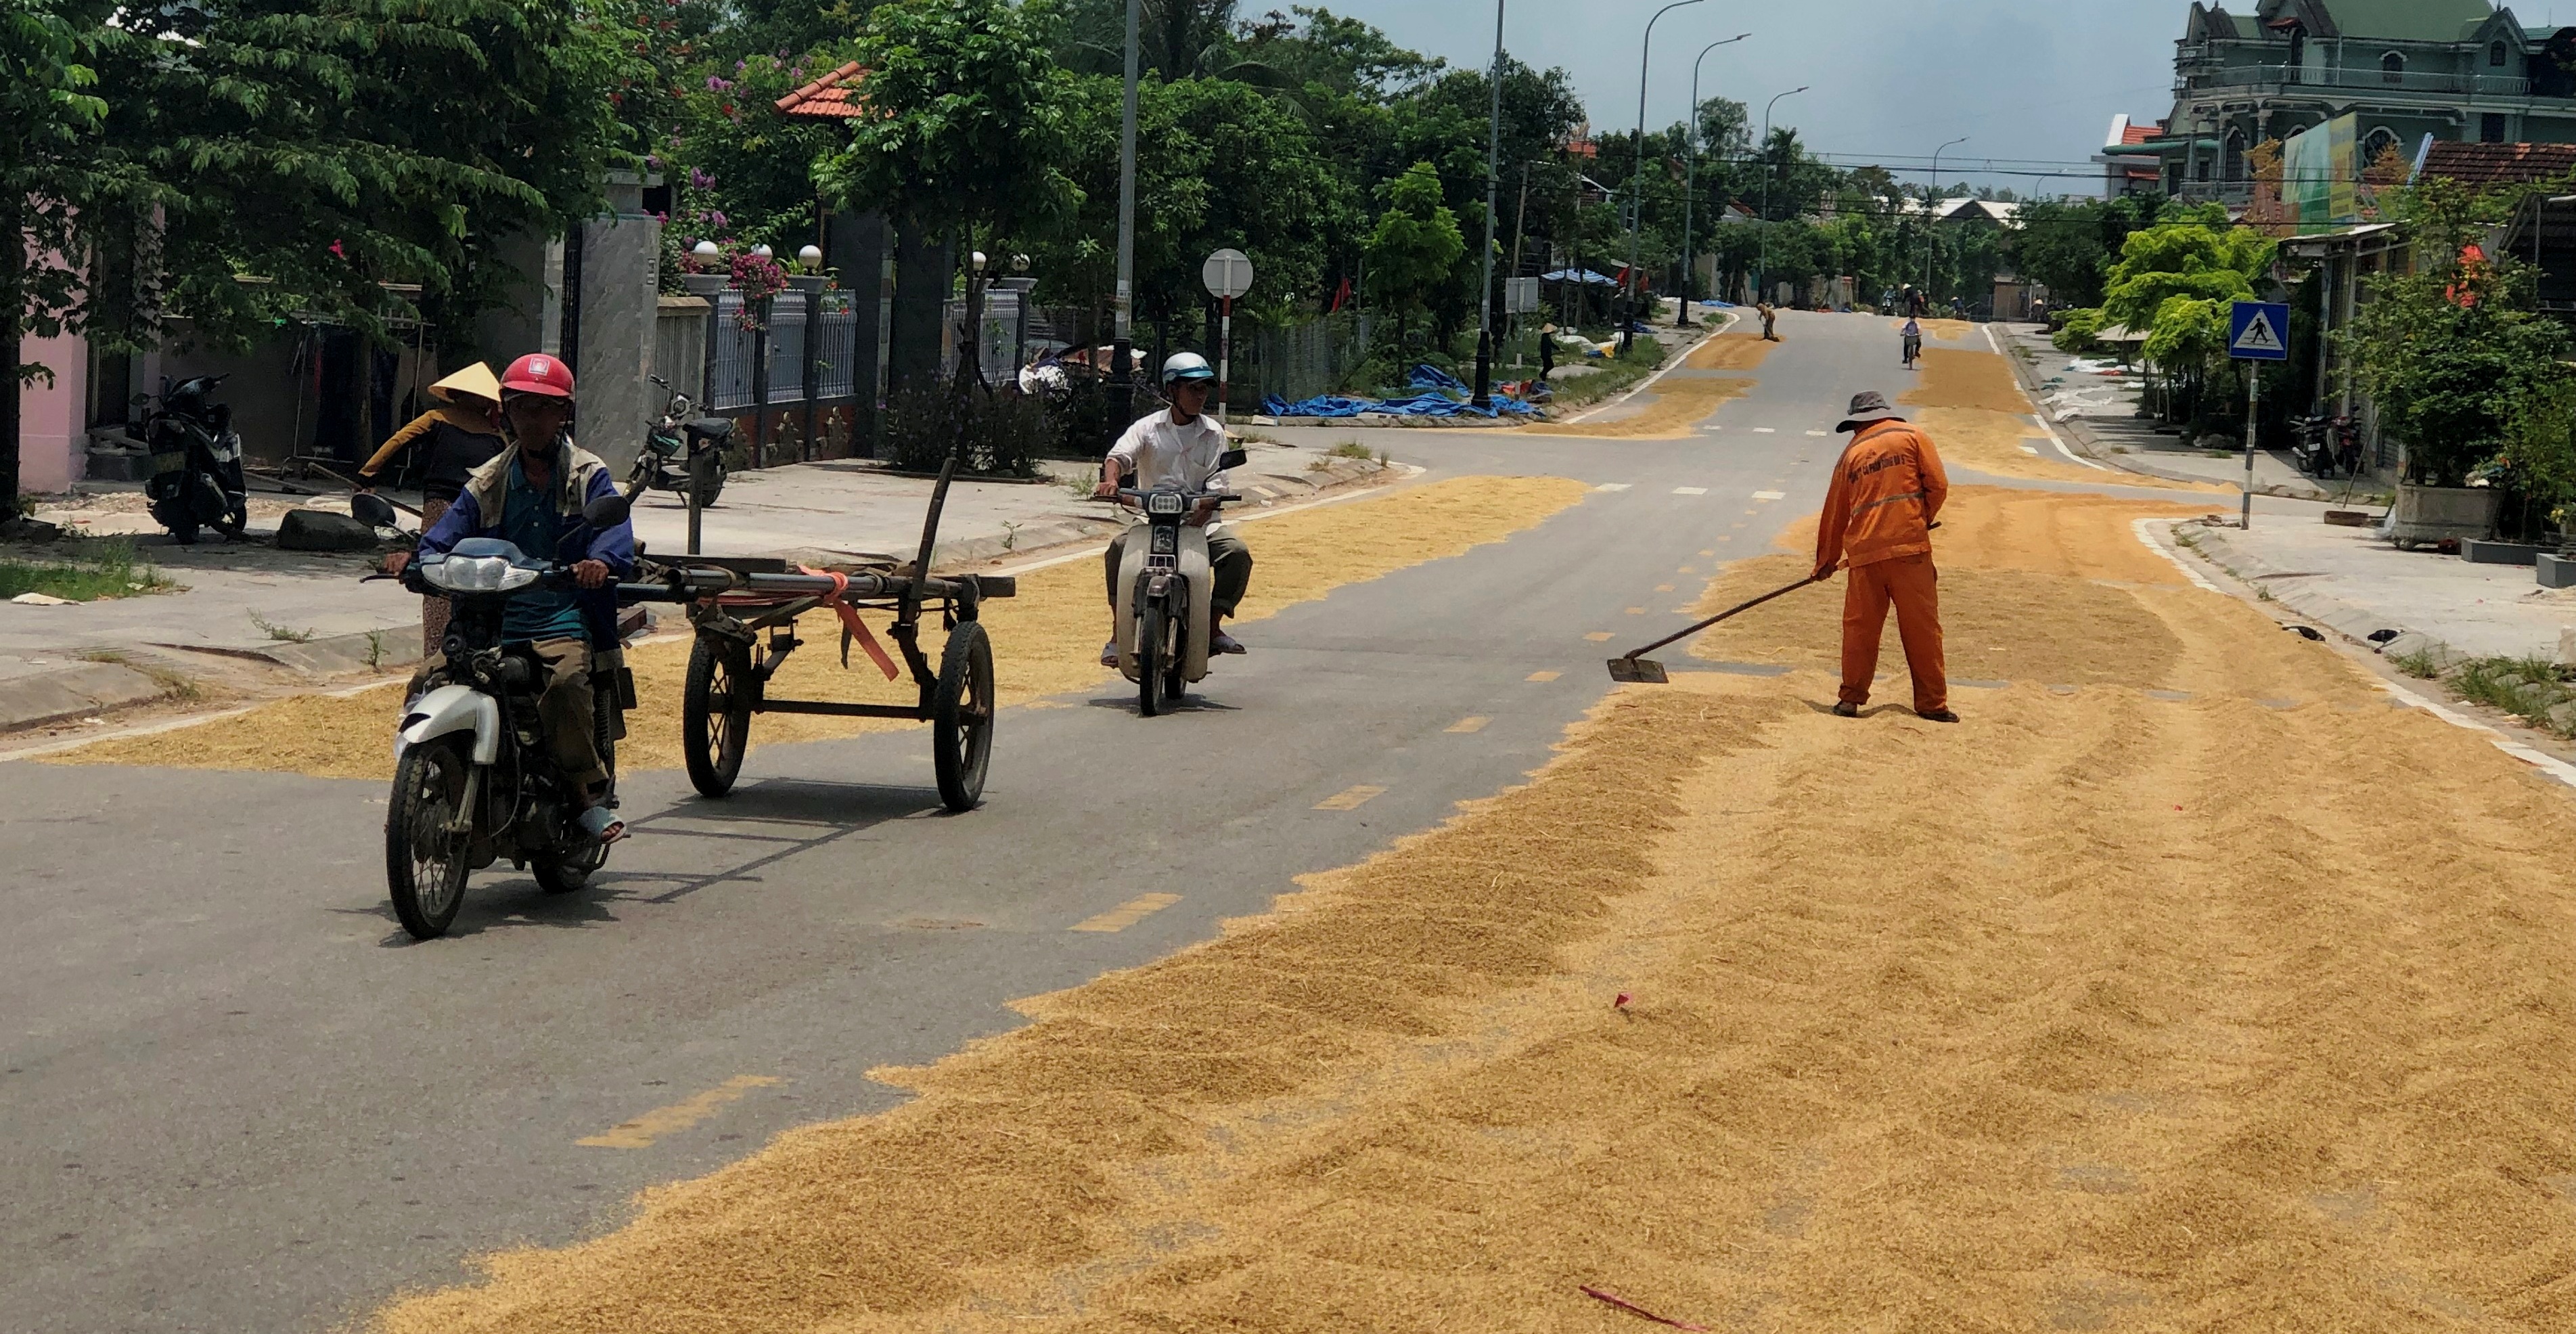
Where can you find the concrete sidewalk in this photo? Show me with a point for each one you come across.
(2097, 416)
(2356, 583)
(250, 611)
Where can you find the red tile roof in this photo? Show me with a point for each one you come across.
(2492, 164)
(2138, 134)
(835, 96)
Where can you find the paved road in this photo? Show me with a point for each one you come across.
(236, 1097)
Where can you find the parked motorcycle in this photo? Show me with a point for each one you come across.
(683, 451)
(473, 778)
(196, 461)
(2326, 444)
(1166, 588)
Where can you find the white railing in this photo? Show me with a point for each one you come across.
(2205, 77)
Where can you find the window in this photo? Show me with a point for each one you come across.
(2233, 168)
(2496, 55)
(2491, 127)
(2377, 146)
(2392, 68)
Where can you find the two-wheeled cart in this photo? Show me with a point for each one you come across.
(744, 613)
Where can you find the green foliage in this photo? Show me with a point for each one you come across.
(1416, 244)
(51, 168)
(2189, 333)
(995, 435)
(2068, 245)
(2079, 330)
(2452, 365)
(2203, 258)
(107, 569)
(966, 120)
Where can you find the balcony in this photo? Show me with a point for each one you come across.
(2283, 78)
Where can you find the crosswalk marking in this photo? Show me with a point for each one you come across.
(1690, 490)
(1127, 914)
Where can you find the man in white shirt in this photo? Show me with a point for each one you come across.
(1180, 448)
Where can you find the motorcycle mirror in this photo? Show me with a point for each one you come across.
(372, 510)
(1232, 458)
(607, 511)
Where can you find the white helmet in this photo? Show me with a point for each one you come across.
(1186, 366)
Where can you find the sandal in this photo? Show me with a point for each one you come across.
(602, 825)
(1109, 654)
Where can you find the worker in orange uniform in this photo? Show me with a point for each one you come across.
(1887, 490)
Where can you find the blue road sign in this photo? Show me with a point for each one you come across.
(2259, 331)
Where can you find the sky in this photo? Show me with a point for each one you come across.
(2032, 85)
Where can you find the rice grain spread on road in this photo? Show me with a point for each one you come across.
(1977, 415)
(2136, 1005)
(1045, 641)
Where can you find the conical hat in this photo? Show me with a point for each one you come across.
(476, 380)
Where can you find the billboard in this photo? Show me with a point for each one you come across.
(2318, 170)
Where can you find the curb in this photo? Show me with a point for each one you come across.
(2093, 450)
(73, 692)
(328, 655)
(2355, 623)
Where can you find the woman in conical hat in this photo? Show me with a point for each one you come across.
(459, 435)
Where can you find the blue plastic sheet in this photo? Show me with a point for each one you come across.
(1417, 405)
(1428, 376)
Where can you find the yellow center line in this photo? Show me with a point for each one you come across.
(1127, 914)
(1599, 636)
(1636, 611)
(1708, 553)
(1469, 725)
(1544, 676)
(1349, 798)
(643, 1130)
(1663, 588)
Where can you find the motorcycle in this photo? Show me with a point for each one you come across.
(196, 461)
(2327, 444)
(682, 451)
(1165, 589)
(473, 778)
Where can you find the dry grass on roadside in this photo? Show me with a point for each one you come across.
(1045, 641)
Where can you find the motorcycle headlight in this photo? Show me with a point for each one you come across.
(1163, 502)
(478, 574)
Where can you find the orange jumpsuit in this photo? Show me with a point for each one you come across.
(1878, 515)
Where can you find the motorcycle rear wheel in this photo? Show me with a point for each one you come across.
(425, 860)
(572, 871)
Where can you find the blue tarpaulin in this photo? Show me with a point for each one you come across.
(1428, 376)
(1418, 405)
(1585, 276)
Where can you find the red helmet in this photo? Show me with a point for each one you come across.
(538, 373)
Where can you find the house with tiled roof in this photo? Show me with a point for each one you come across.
(2408, 70)
(835, 96)
(2132, 167)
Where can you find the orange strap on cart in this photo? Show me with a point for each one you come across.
(852, 628)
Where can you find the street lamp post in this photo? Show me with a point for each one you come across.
(1762, 244)
(1690, 173)
(1493, 151)
(1122, 353)
(1928, 217)
(1637, 179)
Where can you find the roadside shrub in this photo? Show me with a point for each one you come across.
(996, 433)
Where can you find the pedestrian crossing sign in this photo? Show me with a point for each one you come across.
(2259, 331)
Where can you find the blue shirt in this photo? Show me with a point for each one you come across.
(530, 523)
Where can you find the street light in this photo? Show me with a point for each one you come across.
(1690, 172)
(1637, 205)
(1929, 219)
(1762, 247)
(1493, 151)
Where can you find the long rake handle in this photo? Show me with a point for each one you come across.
(1687, 631)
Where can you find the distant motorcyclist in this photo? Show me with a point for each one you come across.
(1180, 448)
(1912, 333)
(531, 497)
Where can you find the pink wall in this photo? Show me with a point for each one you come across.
(53, 432)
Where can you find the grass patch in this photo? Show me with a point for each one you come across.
(179, 684)
(2532, 689)
(1617, 374)
(1349, 449)
(107, 570)
(280, 633)
(2420, 664)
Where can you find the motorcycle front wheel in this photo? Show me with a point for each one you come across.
(425, 859)
(1153, 659)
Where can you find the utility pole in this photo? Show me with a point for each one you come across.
(1633, 288)
(1122, 353)
(1493, 154)
(1928, 216)
(1762, 247)
(1690, 174)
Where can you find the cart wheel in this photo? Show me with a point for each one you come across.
(715, 713)
(961, 718)
(1150, 658)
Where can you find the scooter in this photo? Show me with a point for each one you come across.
(1166, 589)
(196, 461)
(2326, 444)
(683, 451)
(473, 778)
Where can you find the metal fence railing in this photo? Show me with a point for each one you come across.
(1301, 360)
(832, 340)
(733, 356)
(786, 348)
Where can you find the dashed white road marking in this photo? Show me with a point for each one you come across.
(1815, 433)
(1770, 495)
(1690, 490)
(1612, 486)
(1764, 430)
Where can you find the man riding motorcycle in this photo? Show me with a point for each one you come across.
(1180, 448)
(531, 496)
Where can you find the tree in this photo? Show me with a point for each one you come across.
(966, 125)
(1415, 245)
(48, 171)
(2452, 364)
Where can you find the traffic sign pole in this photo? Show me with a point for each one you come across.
(2257, 331)
(1228, 274)
(1224, 351)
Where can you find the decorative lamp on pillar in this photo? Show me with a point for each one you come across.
(711, 277)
